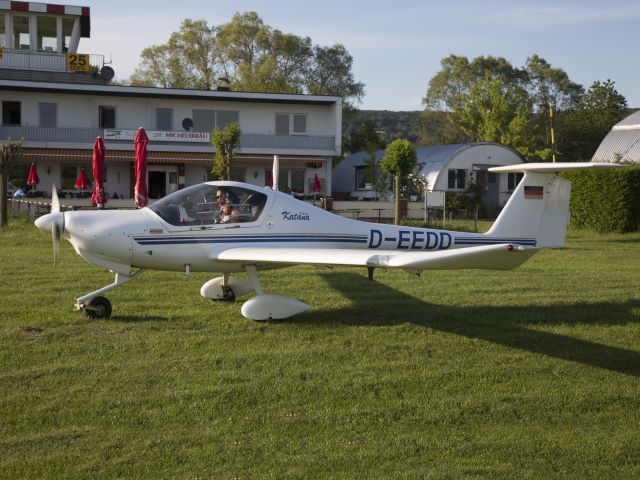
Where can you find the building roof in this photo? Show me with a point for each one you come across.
(432, 161)
(622, 142)
(38, 7)
(168, 93)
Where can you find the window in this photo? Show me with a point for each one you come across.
(69, 175)
(364, 178)
(282, 124)
(290, 180)
(457, 179)
(47, 33)
(3, 36)
(237, 174)
(513, 180)
(208, 120)
(21, 32)
(67, 29)
(48, 114)
(197, 205)
(297, 181)
(18, 175)
(225, 117)
(164, 119)
(204, 120)
(11, 113)
(291, 124)
(107, 117)
(299, 124)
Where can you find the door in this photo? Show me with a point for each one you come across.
(493, 191)
(157, 184)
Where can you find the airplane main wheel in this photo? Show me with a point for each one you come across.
(98, 307)
(228, 295)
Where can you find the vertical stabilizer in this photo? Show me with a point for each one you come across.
(538, 209)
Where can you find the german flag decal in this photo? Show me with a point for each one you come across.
(533, 193)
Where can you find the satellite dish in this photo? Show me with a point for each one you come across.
(107, 73)
(187, 124)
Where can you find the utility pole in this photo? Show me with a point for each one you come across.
(553, 133)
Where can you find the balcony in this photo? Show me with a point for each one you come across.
(250, 142)
(52, 67)
(50, 61)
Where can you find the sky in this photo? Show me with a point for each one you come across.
(397, 45)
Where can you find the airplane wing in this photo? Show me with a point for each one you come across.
(495, 257)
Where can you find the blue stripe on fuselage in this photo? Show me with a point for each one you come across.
(194, 239)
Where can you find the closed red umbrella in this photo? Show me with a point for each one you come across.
(140, 190)
(33, 179)
(270, 179)
(98, 198)
(316, 183)
(81, 182)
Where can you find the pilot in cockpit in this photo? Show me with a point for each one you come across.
(229, 214)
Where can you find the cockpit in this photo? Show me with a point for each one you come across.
(208, 204)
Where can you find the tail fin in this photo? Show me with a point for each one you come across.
(539, 207)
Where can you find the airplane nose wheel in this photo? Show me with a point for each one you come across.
(98, 307)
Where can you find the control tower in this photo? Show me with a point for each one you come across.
(39, 42)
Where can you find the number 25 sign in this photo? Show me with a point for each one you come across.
(77, 62)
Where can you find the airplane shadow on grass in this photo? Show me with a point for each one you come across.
(502, 325)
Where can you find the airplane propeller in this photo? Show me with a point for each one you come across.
(53, 222)
(55, 201)
(55, 228)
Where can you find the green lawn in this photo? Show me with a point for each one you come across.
(532, 373)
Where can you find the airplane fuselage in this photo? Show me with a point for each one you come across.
(144, 239)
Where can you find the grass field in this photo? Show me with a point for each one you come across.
(532, 373)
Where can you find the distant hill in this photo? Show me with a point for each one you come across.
(390, 125)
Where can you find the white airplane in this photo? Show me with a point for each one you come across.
(268, 229)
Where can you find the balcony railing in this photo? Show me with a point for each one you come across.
(293, 142)
(48, 61)
(67, 135)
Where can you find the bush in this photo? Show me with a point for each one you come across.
(606, 200)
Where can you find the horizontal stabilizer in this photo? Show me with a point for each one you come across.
(552, 167)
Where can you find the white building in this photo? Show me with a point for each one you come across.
(442, 168)
(60, 112)
(622, 143)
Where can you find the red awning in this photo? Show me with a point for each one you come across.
(72, 155)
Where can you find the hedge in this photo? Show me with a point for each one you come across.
(606, 200)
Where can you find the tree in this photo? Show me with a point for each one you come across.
(458, 75)
(448, 87)
(549, 87)
(252, 56)
(399, 160)
(364, 137)
(329, 73)
(10, 154)
(586, 126)
(226, 141)
(494, 111)
(190, 59)
(245, 50)
(452, 85)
